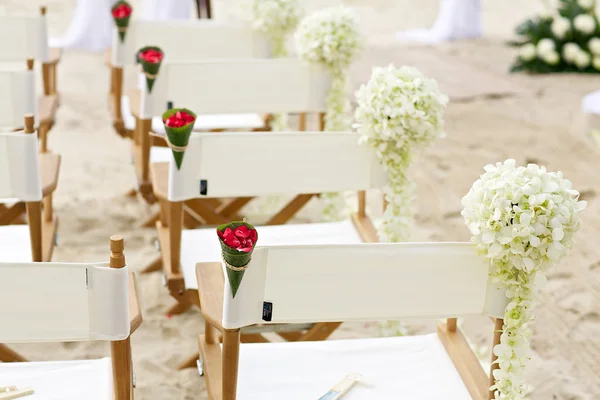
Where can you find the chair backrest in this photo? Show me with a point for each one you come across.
(265, 163)
(24, 36)
(43, 302)
(17, 97)
(332, 283)
(19, 167)
(192, 40)
(238, 86)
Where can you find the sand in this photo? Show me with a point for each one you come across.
(532, 125)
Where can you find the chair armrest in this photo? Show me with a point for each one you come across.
(54, 56)
(135, 314)
(211, 284)
(49, 168)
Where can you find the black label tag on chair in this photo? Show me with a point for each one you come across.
(203, 187)
(169, 105)
(267, 311)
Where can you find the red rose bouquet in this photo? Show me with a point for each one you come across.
(237, 240)
(150, 57)
(179, 123)
(121, 12)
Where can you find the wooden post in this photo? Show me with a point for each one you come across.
(231, 355)
(34, 208)
(145, 146)
(451, 324)
(302, 121)
(117, 91)
(175, 228)
(120, 351)
(497, 333)
(362, 203)
(321, 121)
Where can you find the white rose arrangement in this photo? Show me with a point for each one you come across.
(399, 113)
(332, 38)
(523, 220)
(277, 19)
(565, 40)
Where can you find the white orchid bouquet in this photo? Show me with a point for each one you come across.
(332, 37)
(399, 113)
(567, 40)
(523, 220)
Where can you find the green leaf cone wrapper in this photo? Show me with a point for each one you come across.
(121, 12)
(237, 240)
(179, 123)
(150, 57)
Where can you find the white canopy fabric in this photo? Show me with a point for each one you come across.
(456, 20)
(91, 26)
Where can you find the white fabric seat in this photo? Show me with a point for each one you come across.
(62, 380)
(412, 367)
(160, 154)
(202, 245)
(206, 122)
(15, 244)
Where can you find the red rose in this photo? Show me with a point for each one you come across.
(179, 119)
(152, 56)
(241, 239)
(121, 11)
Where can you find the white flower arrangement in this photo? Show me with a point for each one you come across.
(585, 23)
(586, 4)
(332, 38)
(566, 37)
(276, 19)
(527, 52)
(400, 112)
(560, 27)
(523, 219)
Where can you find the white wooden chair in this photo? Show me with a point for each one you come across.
(181, 41)
(224, 87)
(24, 37)
(60, 302)
(357, 282)
(27, 181)
(304, 163)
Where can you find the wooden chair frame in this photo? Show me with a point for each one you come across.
(40, 217)
(199, 212)
(122, 369)
(42, 222)
(219, 347)
(47, 103)
(211, 303)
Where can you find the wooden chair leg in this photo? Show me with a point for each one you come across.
(189, 362)
(48, 211)
(8, 355)
(8, 215)
(150, 222)
(154, 265)
(43, 137)
(178, 308)
(34, 215)
(320, 331)
(231, 354)
(290, 209)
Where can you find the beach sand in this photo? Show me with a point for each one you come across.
(536, 125)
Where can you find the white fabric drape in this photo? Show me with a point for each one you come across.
(457, 19)
(91, 26)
